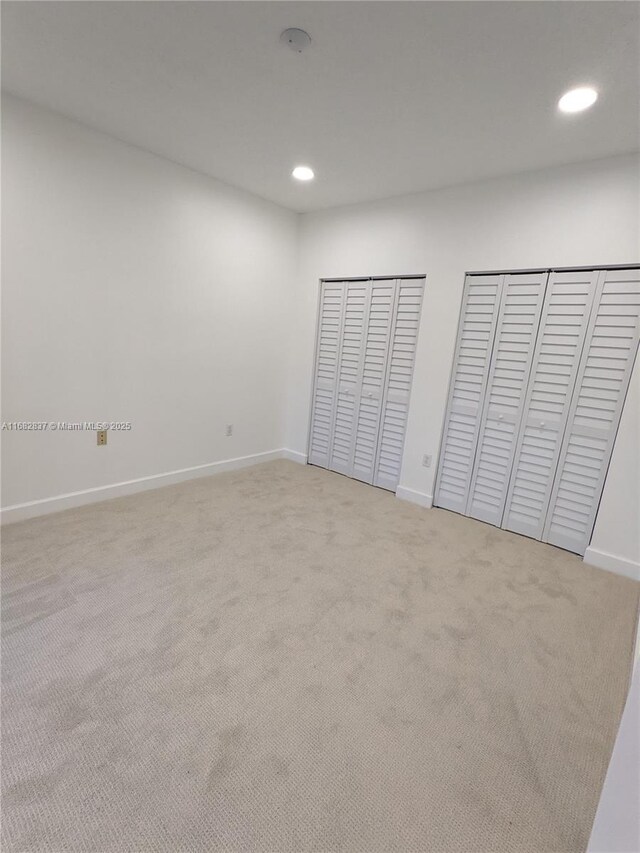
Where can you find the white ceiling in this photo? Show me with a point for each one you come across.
(391, 98)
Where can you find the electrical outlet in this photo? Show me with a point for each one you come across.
(228, 430)
(102, 437)
(426, 460)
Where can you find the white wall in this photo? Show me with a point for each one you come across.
(617, 822)
(134, 290)
(578, 215)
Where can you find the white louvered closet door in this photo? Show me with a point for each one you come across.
(517, 328)
(374, 370)
(397, 387)
(349, 375)
(326, 378)
(559, 347)
(476, 329)
(601, 386)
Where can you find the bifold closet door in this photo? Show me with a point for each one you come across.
(367, 336)
(602, 382)
(397, 386)
(561, 338)
(329, 338)
(476, 331)
(515, 337)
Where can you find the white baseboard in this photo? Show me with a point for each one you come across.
(294, 456)
(20, 512)
(420, 498)
(619, 565)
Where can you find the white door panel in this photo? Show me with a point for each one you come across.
(476, 330)
(329, 338)
(374, 368)
(357, 296)
(397, 386)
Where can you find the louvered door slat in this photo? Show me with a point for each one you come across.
(331, 316)
(515, 337)
(476, 330)
(349, 375)
(601, 386)
(397, 382)
(374, 366)
(560, 341)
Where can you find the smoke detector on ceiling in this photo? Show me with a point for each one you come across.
(296, 39)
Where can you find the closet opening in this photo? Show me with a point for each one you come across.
(541, 370)
(366, 342)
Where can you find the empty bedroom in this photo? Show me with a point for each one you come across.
(320, 426)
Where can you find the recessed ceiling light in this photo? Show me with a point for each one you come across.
(577, 100)
(303, 173)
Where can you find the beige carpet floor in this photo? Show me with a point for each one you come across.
(283, 659)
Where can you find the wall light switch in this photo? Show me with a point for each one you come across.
(426, 460)
(228, 430)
